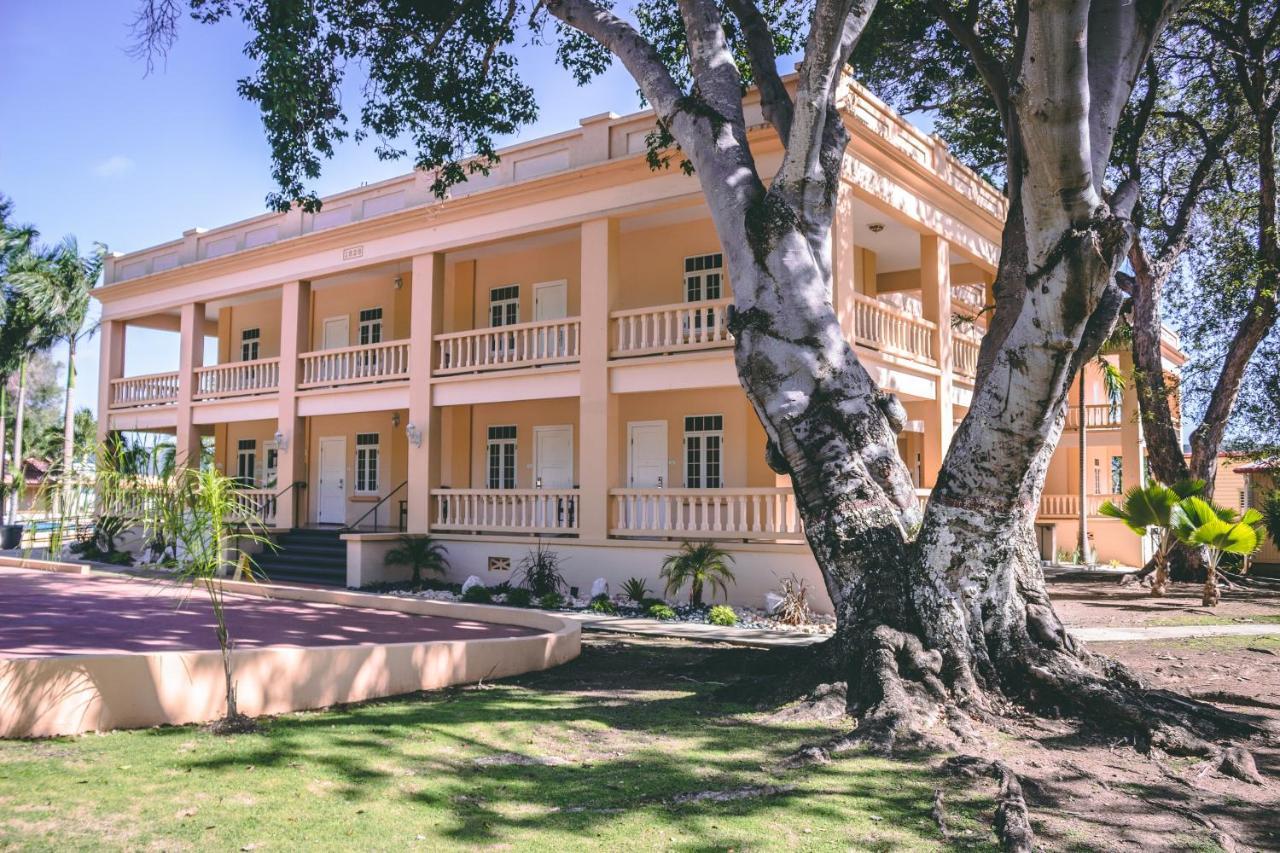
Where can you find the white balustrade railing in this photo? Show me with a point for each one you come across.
(671, 328)
(1068, 506)
(884, 327)
(256, 504)
(517, 345)
(1096, 416)
(153, 389)
(355, 365)
(237, 379)
(506, 510)
(744, 513)
(964, 355)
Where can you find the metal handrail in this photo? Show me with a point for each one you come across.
(374, 509)
(275, 501)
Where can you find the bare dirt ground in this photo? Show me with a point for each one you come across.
(1107, 604)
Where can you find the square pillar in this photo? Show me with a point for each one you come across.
(110, 366)
(935, 296)
(845, 267)
(426, 307)
(1132, 449)
(190, 356)
(597, 407)
(291, 450)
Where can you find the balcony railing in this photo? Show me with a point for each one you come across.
(238, 379)
(153, 389)
(746, 513)
(256, 504)
(517, 345)
(1068, 506)
(964, 354)
(506, 510)
(671, 328)
(886, 328)
(355, 365)
(1096, 416)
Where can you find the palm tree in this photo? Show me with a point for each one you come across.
(1271, 516)
(59, 286)
(1219, 530)
(1150, 509)
(418, 553)
(699, 564)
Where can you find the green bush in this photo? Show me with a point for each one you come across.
(602, 604)
(551, 601)
(660, 611)
(648, 603)
(722, 614)
(477, 595)
(635, 589)
(519, 597)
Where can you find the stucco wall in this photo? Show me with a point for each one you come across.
(651, 262)
(393, 453)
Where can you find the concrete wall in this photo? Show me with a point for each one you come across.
(651, 262)
(393, 453)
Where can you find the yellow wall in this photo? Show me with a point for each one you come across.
(651, 265)
(525, 267)
(524, 415)
(263, 315)
(393, 447)
(349, 299)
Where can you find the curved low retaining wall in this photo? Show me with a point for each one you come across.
(41, 697)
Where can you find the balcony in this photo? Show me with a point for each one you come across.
(505, 347)
(964, 354)
(541, 511)
(256, 504)
(238, 379)
(742, 513)
(1096, 416)
(1068, 506)
(670, 328)
(358, 365)
(152, 389)
(880, 326)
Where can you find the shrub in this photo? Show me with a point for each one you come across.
(646, 603)
(551, 601)
(722, 614)
(501, 588)
(660, 611)
(478, 595)
(540, 572)
(794, 609)
(602, 604)
(635, 589)
(519, 597)
(418, 553)
(699, 564)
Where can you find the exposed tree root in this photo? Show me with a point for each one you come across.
(939, 813)
(1013, 821)
(1220, 836)
(1238, 762)
(1228, 698)
(234, 724)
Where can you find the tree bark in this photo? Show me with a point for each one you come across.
(4, 448)
(19, 469)
(69, 428)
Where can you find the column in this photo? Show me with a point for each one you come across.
(190, 357)
(1131, 444)
(110, 366)
(426, 301)
(291, 447)
(935, 295)
(597, 408)
(845, 268)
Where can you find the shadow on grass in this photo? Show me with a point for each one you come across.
(629, 728)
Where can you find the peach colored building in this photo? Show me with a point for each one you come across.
(544, 355)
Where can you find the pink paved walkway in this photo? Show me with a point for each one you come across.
(43, 614)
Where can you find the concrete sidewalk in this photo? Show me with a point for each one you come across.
(762, 638)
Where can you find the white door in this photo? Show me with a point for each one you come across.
(337, 334)
(331, 500)
(551, 302)
(647, 454)
(553, 456)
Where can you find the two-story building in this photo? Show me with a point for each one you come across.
(544, 355)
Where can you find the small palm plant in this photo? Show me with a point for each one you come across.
(635, 589)
(1220, 530)
(1149, 509)
(699, 564)
(1271, 516)
(419, 553)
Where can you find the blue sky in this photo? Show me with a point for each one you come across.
(91, 146)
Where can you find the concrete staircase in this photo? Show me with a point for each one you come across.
(306, 555)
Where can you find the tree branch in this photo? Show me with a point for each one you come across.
(715, 73)
(775, 101)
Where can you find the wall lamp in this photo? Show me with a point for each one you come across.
(282, 441)
(414, 434)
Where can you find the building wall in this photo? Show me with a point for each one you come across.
(651, 262)
(524, 415)
(263, 315)
(393, 453)
(527, 268)
(349, 299)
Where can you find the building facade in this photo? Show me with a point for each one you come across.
(545, 356)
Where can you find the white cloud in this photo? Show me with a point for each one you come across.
(116, 164)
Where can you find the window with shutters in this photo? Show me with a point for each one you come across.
(247, 463)
(367, 453)
(370, 331)
(703, 443)
(501, 458)
(250, 339)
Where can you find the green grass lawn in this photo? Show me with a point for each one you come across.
(622, 748)
(1209, 619)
